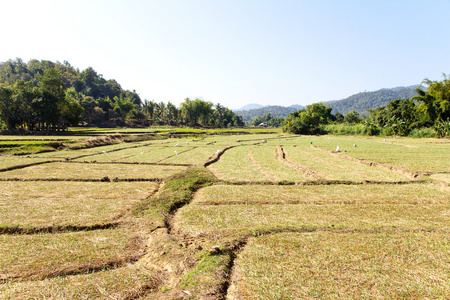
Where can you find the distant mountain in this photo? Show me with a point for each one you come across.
(274, 110)
(363, 101)
(249, 107)
(296, 106)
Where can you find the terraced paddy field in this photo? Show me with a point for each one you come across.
(227, 216)
(40, 204)
(91, 171)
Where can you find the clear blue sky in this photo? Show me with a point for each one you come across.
(235, 52)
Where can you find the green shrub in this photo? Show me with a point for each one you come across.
(421, 133)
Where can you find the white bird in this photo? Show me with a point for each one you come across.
(141, 153)
(354, 145)
(337, 149)
(384, 140)
(264, 141)
(176, 145)
(218, 151)
(104, 151)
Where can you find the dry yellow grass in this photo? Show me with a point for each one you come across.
(415, 193)
(335, 168)
(195, 156)
(324, 265)
(198, 219)
(265, 157)
(412, 154)
(155, 154)
(41, 255)
(123, 283)
(92, 171)
(442, 177)
(14, 161)
(235, 165)
(38, 204)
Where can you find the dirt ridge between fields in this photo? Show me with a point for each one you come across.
(104, 179)
(16, 230)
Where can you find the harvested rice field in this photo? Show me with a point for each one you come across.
(61, 203)
(325, 265)
(227, 216)
(91, 171)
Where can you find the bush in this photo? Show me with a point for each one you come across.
(343, 129)
(422, 133)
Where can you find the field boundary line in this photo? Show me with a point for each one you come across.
(215, 157)
(28, 165)
(113, 150)
(398, 144)
(170, 156)
(319, 182)
(127, 163)
(88, 268)
(104, 179)
(20, 230)
(371, 163)
(428, 173)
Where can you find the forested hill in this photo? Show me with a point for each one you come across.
(368, 100)
(43, 95)
(86, 82)
(274, 110)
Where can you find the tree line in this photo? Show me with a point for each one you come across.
(43, 95)
(429, 108)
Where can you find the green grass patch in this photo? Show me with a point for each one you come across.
(206, 271)
(176, 192)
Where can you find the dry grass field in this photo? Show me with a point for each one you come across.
(228, 216)
(58, 203)
(91, 171)
(361, 265)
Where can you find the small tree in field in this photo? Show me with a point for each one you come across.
(309, 120)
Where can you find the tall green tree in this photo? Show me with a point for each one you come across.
(434, 103)
(51, 94)
(6, 106)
